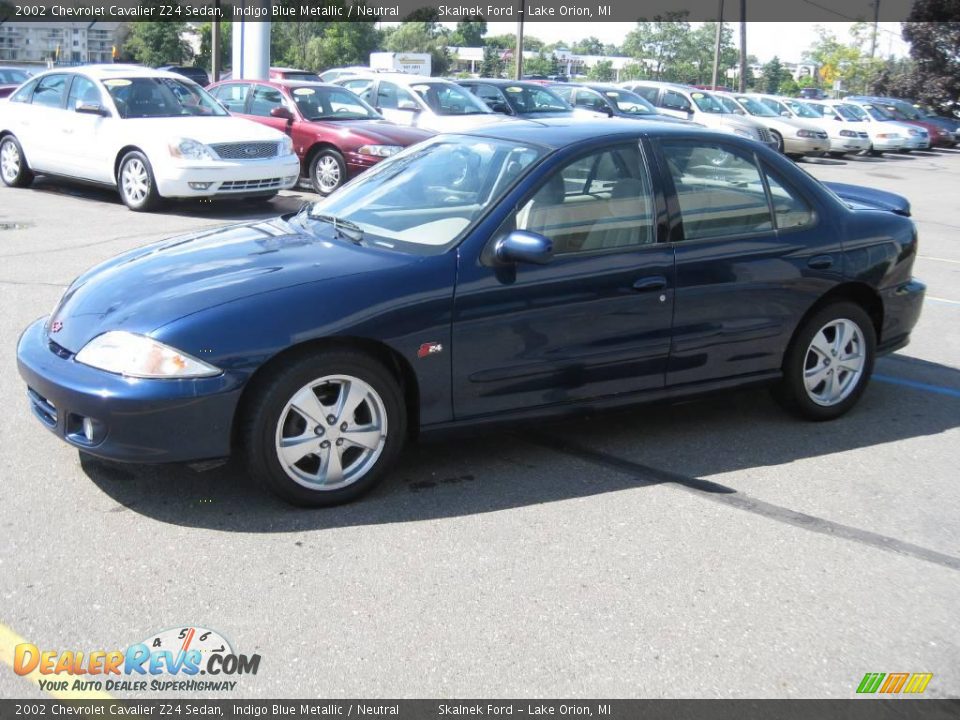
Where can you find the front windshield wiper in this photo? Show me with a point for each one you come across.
(344, 228)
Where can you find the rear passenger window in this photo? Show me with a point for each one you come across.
(790, 210)
(602, 201)
(264, 100)
(233, 97)
(720, 191)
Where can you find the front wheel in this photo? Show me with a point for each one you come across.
(324, 428)
(835, 154)
(138, 188)
(829, 362)
(13, 165)
(778, 138)
(328, 171)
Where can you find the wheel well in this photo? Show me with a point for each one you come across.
(316, 148)
(859, 293)
(116, 161)
(387, 356)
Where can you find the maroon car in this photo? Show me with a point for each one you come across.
(10, 80)
(336, 134)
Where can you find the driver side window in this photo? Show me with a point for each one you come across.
(601, 201)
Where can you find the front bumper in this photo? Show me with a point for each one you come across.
(849, 144)
(916, 142)
(134, 420)
(805, 146)
(226, 178)
(887, 143)
(901, 310)
(357, 163)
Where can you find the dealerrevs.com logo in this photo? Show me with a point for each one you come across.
(894, 683)
(168, 661)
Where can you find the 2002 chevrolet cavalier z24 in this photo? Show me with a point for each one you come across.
(515, 271)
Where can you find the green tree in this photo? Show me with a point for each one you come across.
(633, 71)
(158, 43)
(773, 74)
(469, 33)
(423, 37)
(542, 64)
(493, 64)
(204, 58)
(504, 42)
(934, 36)
(789, 86)
(699, 54)
(289, 42)
(601, 71)
(342, 43)
(587, 46)
(664, 43)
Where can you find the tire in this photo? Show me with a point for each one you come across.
(136, 184)
(835, 154)
(905, 151)
(14, 169)
(305, 476)
(808, 372)
(779, 138)
(328, 171)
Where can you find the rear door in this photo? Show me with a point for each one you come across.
(42, 132)
(752, 255)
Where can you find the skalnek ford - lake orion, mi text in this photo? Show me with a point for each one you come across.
(532, 11)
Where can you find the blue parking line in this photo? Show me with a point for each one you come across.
(939, 389)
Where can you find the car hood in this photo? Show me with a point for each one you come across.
(147, 288)
(379, 132)
(460, 123)
(204, 129)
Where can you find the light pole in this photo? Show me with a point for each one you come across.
(519, 51)
(716, 49)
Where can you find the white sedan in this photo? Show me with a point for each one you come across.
(148, 133)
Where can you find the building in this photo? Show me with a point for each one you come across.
(66, 43)
(469, 59)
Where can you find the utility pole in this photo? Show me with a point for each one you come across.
(716, 49)
(519, 51)
(876, 19)
(742, 85)
(215, 60)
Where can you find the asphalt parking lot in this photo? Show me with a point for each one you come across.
(717, 548)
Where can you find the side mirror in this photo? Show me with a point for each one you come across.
(785, 113)
(92, 108)
(408, 105)
(521, 246)
(282, 113)
(608, 110)
(499, 107)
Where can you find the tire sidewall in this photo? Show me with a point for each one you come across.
(273, 397)
(779, 138)
(341, 163)
(152, 198)
(24, 175)
(794, 389)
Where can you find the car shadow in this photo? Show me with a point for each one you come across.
(220, 209)
(529, 465)
(865, 158)
(823, 160)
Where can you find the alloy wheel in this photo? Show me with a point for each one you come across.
(135, 181)
(328, 174)
(331, 432)
(834, 362)
(9, 161)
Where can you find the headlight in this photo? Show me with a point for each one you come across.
(912, 131)
(138, 356)
(888, 136)
(379, 150)
(806, 133)
(286, 146)
(847, 133)
(187, 149)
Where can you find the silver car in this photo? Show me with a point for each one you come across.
(794, 137)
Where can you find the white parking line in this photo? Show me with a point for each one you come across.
(943, 300)
(938, 259)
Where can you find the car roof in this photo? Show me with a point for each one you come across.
(105, 72)
(557, 133)
(409, 78)
(500, 81)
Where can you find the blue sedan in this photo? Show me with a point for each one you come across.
(522, 270)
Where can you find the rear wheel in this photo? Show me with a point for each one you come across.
(829, 363)
(325, 427)
(778, 138)
(13, 164)
(138, 188)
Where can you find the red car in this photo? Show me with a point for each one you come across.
(336, 134)
(282, 73)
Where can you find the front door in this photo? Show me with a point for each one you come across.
(86, 153)
(593, 322)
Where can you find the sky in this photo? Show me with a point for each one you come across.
(764, 39)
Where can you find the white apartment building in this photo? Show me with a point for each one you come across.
(62, 42)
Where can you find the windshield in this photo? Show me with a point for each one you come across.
(152, 97)
(629, 103)
(706, 103)
(449, 99)
(852, 112)
(878, 113)
(525, 99)
(755, 107)
(326, 103)
(730, 105)
(10, 76)
(425, 198)
(903, 110)
(803, 110)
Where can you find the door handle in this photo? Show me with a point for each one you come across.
(820, 262)
(649, 284)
